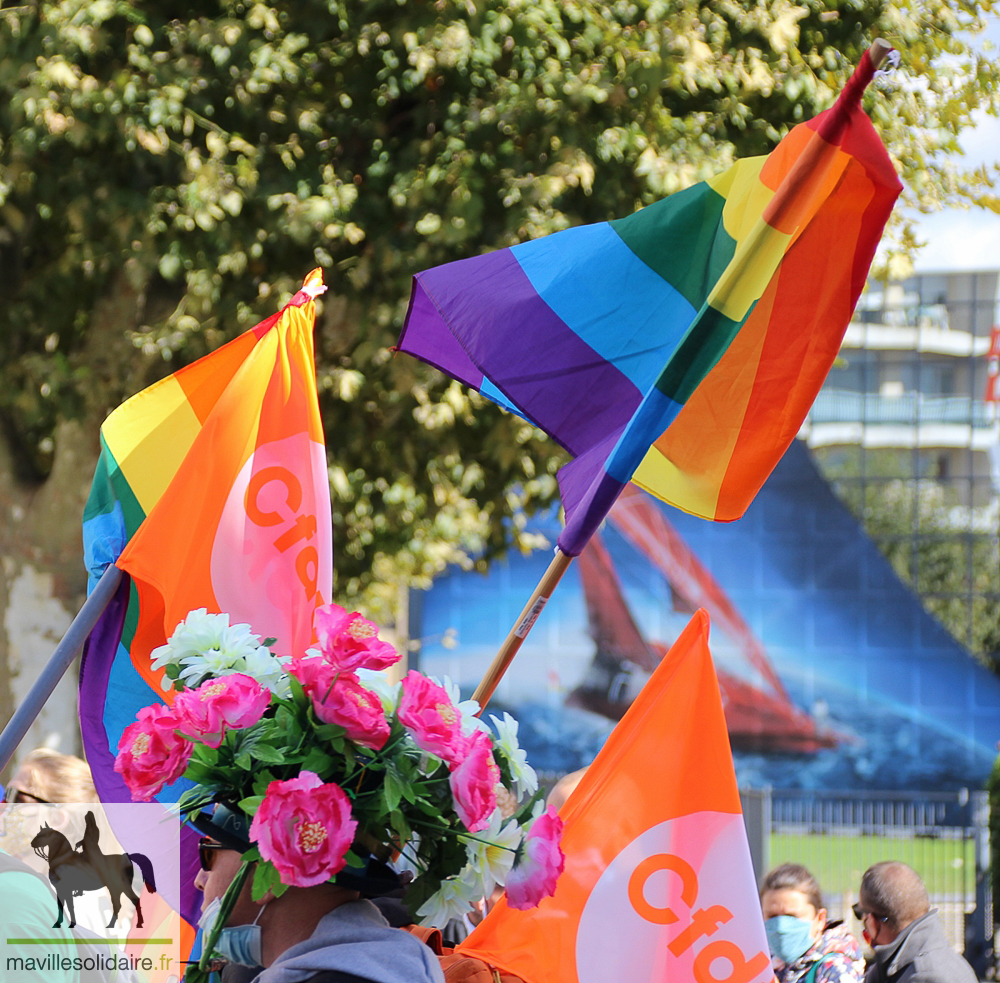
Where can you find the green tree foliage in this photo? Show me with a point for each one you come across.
(947, 552)
(195, 160)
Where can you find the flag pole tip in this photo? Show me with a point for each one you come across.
(878, 50)
(313, 284)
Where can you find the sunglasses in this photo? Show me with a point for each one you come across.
(859, 913)
(14, 795)
(206, 852)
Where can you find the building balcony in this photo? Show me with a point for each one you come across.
(905, 420)
(929, 337)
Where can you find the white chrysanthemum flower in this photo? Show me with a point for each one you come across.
(491, 853)
(455, 898)
(469, 709)
(377, 681)
(525, 779)
(266, 668)
(205, 645)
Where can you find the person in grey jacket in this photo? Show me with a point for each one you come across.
(906, 936)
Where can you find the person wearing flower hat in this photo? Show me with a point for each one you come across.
(326, 933)
(309, 773)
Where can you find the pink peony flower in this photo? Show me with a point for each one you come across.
(235, 701)
(304, 827)
(534, 876)
(151, 754)
(473, 783)
(348, 641)
(426, 710)
(339, 698)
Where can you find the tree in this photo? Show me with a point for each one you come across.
(169, 172)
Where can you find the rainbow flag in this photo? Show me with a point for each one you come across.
(211, 492)
(681, 347)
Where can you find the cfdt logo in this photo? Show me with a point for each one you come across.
(268, 554)
(679, 902)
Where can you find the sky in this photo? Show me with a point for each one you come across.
(958, 239)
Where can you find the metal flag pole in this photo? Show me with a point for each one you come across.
(797, 177)
(66, 651)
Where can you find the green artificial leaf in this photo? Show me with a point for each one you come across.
(392, 789)
(262, 780)
(270, 755)
(200, 774)
(298, 693)
(266, 878)
(400, 826)
(250, 804)
(318, 761)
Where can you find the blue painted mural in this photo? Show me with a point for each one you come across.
(832, 674)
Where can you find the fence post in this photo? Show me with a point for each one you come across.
(756, 805)
(979, 925)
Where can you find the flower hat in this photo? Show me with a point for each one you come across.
(317, 769)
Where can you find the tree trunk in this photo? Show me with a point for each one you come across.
(43, 582)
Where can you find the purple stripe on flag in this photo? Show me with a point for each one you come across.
(96, 665)
(588, 492)
(432, 340)
(95, 674)
(550, 373)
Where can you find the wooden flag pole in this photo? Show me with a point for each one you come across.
(796, 178)
(521, 628)
(878, 50)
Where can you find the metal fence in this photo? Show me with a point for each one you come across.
(944, 836)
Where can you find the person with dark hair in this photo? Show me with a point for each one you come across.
(905, 935)
(805, 947)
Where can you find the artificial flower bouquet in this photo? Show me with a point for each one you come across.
(327, 760)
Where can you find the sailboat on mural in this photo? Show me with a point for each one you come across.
(760, 715)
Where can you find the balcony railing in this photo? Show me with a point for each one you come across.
(908, 409)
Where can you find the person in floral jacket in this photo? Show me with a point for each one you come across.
(805, 947)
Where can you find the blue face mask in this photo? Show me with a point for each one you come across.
(788, 937)
(237, 943)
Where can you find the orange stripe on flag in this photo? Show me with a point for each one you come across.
(658, 882)
(205, 381)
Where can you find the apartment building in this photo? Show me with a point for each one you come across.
(912, 380)
(907, 429)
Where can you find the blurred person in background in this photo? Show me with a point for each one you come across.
(805, 947)
(906, 936)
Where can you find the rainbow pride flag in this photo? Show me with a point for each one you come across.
(212, 492)
(681, 347)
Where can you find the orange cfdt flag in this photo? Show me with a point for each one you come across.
(658, 882)
(243, 525)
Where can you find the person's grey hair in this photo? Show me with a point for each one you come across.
(894, 891)
(793, 877)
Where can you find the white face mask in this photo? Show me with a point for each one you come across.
(237, 943)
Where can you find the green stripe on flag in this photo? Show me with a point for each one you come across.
(697, 354)
(682, 239)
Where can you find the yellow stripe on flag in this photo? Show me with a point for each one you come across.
(149, 437)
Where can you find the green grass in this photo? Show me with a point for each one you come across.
(837, 861)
